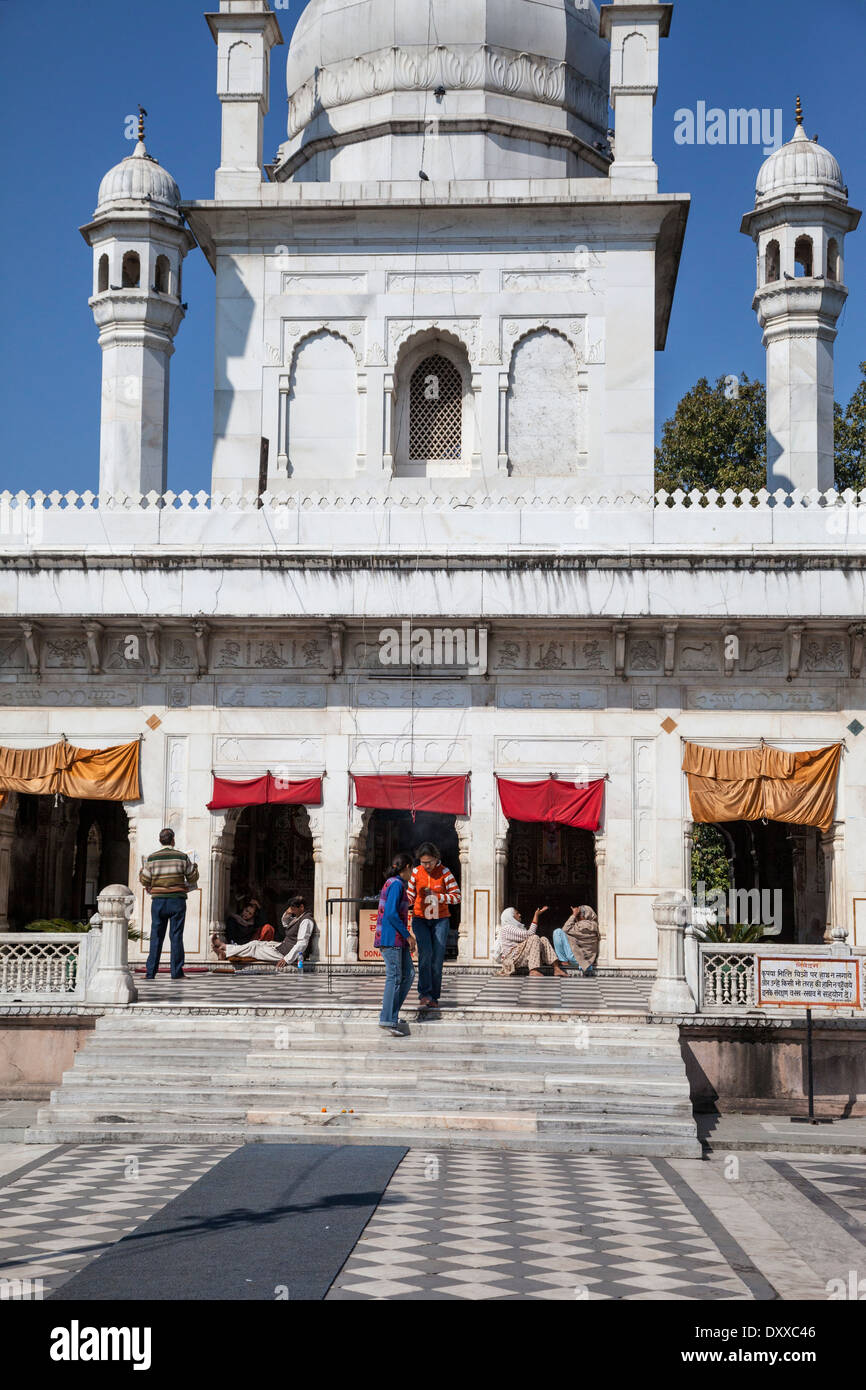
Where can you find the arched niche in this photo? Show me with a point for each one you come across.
(434, 419)
(322, 408)
(545, 405)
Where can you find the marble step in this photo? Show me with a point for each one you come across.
(229, 1100)
(423, 1080)
(633, 1145)
(452, 1117)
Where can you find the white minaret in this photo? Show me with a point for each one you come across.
(799, 224)
(635, 32)
(244, 31)
(139, 241)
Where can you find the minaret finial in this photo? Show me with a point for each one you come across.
(142, 113)
(799, 112)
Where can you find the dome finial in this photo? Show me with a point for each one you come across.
(142, 113)
(799, 112)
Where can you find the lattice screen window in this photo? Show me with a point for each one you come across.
(436, 410)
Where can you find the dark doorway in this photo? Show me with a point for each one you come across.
(550, 866)
(273, 859)
(65, 852)
(394, 832)
(784, 865)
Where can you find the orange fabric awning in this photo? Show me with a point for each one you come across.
(93, 774)
(762, 784)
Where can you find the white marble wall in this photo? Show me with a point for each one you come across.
(482, 294)
(641, 839)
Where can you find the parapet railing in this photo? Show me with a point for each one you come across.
(725, 980)
(514, 492)
(46, 967)
(516, 513)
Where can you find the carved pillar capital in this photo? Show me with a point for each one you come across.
(93, 632)
(201, 632)
(152, 633)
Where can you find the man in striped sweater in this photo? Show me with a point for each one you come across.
(432, 891)
(168, 875)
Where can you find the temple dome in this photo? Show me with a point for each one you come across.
(526, 74)
(138, 179)
(797, 167)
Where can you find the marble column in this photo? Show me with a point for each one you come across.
(465, 938)
(833, 846)
(356, 850)
(604, 951)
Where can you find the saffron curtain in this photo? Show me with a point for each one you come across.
(92, 774)
(762, 784)
(264, 791)
(448, 795)
(553, 801)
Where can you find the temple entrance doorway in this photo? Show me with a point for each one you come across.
(776, 870)
(394, 832)
(272, 859)
(549, 866)
(64, 852)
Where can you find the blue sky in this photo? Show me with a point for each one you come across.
(70, 73)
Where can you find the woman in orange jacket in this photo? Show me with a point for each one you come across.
(432, 892)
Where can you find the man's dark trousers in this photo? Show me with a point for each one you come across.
(166, 912)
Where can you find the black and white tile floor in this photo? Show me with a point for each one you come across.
(260, 986)
(61, 1212)
(489, 1225)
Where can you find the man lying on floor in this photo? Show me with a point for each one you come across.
(298, 925)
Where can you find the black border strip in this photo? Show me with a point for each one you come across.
(15, 1173)
(828, 1206)
(758, 1285)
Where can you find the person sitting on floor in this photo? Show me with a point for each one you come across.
(522, 946)
(247, 924)
(299, 926)
(577, 941)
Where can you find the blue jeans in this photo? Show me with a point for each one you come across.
(166, 912)
(562, 946)
(432, 938)
(399, 974)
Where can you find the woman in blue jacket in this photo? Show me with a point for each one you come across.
(394, 941)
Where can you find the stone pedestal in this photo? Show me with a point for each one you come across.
(670, 993)
(112, 982)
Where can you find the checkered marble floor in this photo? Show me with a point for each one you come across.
(518, 1226)
(473, 1225)
(258, 985)
(74, 1204)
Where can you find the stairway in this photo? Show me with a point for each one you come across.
(473, 1078)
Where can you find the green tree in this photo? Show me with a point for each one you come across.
(710, 864)
(851, 439)
(716, 438)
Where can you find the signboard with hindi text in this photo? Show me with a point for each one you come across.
(366, 933)
(829, 982)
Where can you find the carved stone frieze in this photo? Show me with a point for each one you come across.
(488, 68)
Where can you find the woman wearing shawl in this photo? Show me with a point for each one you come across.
(577, 941)
(522, 946)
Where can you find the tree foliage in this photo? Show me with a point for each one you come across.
(716, 438)
(851, 439)
(710, 864)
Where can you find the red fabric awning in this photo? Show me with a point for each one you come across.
(265, 791)
(448, 795)
(553, 801)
